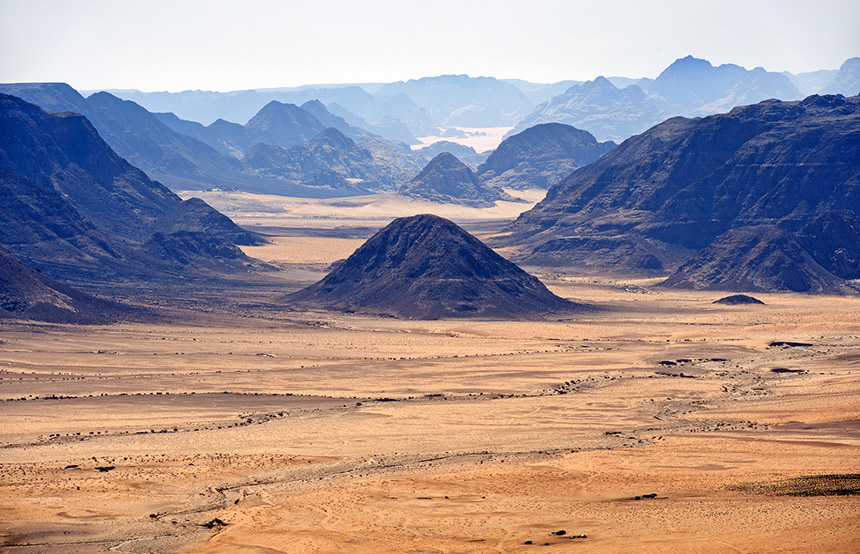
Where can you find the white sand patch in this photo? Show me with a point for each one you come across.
(481, 139)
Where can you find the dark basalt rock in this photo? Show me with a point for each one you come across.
(738, 299)
(448, 180)
(426, 267)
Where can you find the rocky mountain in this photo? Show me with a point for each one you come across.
(211, 157)
(660, 198)
(692, 86)
(464, 153)
(330, 159)
(143, 139)
(540, 156)
(283, 125)
(73, 208)
(426, 267)
(27, 294)
(449, 181)
(847, 79)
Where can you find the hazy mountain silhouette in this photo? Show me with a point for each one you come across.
(426, 267)
(447, 180)
(460, 100)
(540, 156)
(811, 82)
(847, 79)
(657, 199)
(689, 87)
(465, 154)
(692, 86)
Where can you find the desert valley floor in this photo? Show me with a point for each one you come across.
(660, 423)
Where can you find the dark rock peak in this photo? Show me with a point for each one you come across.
(737, 300)
(448, 180)
(332, 137)
(426, 267)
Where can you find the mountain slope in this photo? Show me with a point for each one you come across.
(27, 294)
(757, 259)
(73, 208)
(283, 125)
(426, 267)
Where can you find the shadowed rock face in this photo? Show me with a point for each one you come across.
(448, 180)
(426, 267)
(762, 258)
(666, 194)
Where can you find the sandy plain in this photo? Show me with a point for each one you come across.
(272, 431)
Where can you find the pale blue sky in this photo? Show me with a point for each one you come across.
(228, 45)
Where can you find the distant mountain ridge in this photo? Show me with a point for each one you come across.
(688, 87)
(211, 157)
(660, 198)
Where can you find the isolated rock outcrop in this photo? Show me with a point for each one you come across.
(426, 267)
(448, 180)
